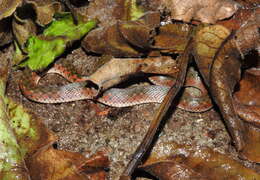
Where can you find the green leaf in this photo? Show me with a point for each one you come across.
(12, 166)
(43, 49)
(66, 27)
(42, 52)
(23, 126)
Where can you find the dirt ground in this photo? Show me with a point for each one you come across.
(87, 127)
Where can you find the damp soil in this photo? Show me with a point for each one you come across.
(87, 127)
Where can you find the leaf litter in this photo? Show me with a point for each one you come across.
(95, 125)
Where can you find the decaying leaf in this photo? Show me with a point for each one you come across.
(249, 89)
(187, 162)
(246, 39)
(23, 28)
(207, 41)
(133, 10)
(44, 10)
(45, 162)
(18, 56)
(127, 31)
(172, 38)
(221, 72)
(26, 146)
(140, 33)
(12, 165)
(247, 107)
(118, 69)
(123, 39)
(7, 7)
(248, 35)
(248, 4)
(51, 164)
(6, 35)
(251, 151)
(108, 41)
(206, 11)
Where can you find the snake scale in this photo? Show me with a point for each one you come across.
(194, 99)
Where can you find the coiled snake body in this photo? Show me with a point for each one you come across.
(194, 98)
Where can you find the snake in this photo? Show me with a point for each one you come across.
(195, 97)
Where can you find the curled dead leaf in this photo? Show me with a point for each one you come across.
(172, 38)
(123, 39)
(207, 41)
(51, 164)
(108, 41)
(251, 151)
(42, 160)
(248, 35)
(118, 69)
(6, 35)
(44, 10)
(23, 29)
(186, 162)
(206, 11)
(249, 90)
(7, 7)
(247, 106)
(103, 10)
(139, 33)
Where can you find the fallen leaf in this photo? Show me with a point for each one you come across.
(12, 165)
(7, 7)
(206, 11)
(42, 160)
(247, 100)
(44, 10)
(125, 38)
(172, 38)
(6, 35)
(207, 41)
(51, 164)
(119, 69)
(43, 49)
(23, 28)
(187, 162)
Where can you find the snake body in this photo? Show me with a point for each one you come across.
(80, 89)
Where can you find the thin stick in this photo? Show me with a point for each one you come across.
(147, 140)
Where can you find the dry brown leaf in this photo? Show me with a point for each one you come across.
(249, 90)
(251, 151)
(125, 38)
(46, 163)
(207, 41)
(248, 108)
(7, 7)
(139, 33)
(44, 10)
(248, 3)
(186, 162)
(6, 35)
(172, 38)
(108, 41)
(23, 29)
(118, 69)
(99, 9)
(206, 11)
(221, 72)
(51, 164)
(12, 165)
